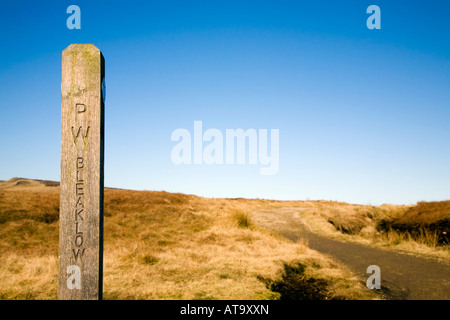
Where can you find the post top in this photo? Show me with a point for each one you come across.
(85, 47)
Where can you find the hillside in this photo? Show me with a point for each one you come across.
(28, 184)
(161, 245)
(424, 218)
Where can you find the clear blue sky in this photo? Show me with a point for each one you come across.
(363, 114)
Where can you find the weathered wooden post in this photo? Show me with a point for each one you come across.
(82, 149)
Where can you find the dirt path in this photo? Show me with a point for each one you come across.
(403, 277)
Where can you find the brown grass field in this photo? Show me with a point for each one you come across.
(421, 230)
(161, 245)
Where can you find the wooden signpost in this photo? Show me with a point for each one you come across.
(82, 149)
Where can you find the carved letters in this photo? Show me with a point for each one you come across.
(81, 200)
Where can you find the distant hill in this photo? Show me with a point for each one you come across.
(425, 219)
(23, 183)
(32, 185)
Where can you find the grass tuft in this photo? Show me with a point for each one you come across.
(242, 219)
(148, 259)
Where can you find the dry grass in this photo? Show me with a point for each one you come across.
(421, 230)
(158, 245)
(427, 222)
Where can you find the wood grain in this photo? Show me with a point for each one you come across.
(82, 152)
